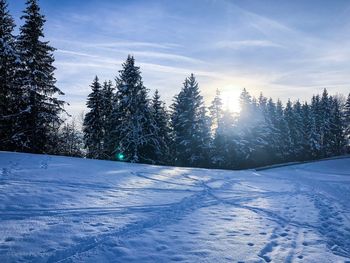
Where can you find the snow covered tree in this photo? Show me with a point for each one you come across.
(346, 117)
(161, 119)
(325, 125)
(293, 118)
(216, 111)
(251, 132)
(10, 91)
(42, 108)
(189, 125)
(310, 141)
(93, 122)
(338, 141)
(223, 148)
(135, 132)
(284, 140)
(70, 140)
(107, 102)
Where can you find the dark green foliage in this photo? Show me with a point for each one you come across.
(41, 109)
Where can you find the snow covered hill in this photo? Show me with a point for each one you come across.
(59, 209)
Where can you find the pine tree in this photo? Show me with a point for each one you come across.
(161, 119)
(273, 135)
(107, 101)
(296, 132)
(10, 91)
(289, 118)
(325, 114)
(346, 120)
(93, 122)
(284, 140)
(223, 146)
(189, 126)
(338, 141)
(251, 133)
(43, 109)
(216, 111)
(135, 132)
(318, 119)
(216, 143)
(310, 141)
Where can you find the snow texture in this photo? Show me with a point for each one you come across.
(59, 209)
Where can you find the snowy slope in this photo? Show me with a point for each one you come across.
(58, 209)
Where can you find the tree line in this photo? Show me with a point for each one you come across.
(125, 123)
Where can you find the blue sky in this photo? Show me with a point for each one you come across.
(286, 49)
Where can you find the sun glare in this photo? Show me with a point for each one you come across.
(230, 100)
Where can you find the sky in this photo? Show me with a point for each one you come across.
(285, 49)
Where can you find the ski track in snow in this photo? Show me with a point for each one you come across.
(57, 209)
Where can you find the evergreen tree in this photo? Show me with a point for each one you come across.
(135, 132)
(325, 125)
(289, 118)
(42, 108)
(310, 141)
(216, 111)
(161, 119)
(10, 92)
(273, 135)
(251, 133)
(223, 146)
(296, 131)
(189, 126)
(337, 141)
(346, 119)
(216, 120)
(108, 99)
(284, 140)
(318, 119)
(93, 122)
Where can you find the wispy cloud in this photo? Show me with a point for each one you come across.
(246, 43)
(227, 44)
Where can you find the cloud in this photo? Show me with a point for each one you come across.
(246, 43)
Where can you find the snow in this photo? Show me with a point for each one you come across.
(60, 209)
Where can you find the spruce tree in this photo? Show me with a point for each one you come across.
(107, 102)
(10, 91)
(189, 125)
(251, 132)
(216, 111)
(223, 149)
(346, 119)
(216, 143)
(43, 108)
(296, 131)
(326, 136)
(310, 141)
(161, 119)
(289, 118)
(135, 134)
(93, 122)
(338, 141)
(318, 119)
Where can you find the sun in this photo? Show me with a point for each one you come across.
(230, 99)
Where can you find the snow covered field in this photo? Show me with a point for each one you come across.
(59, 209)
